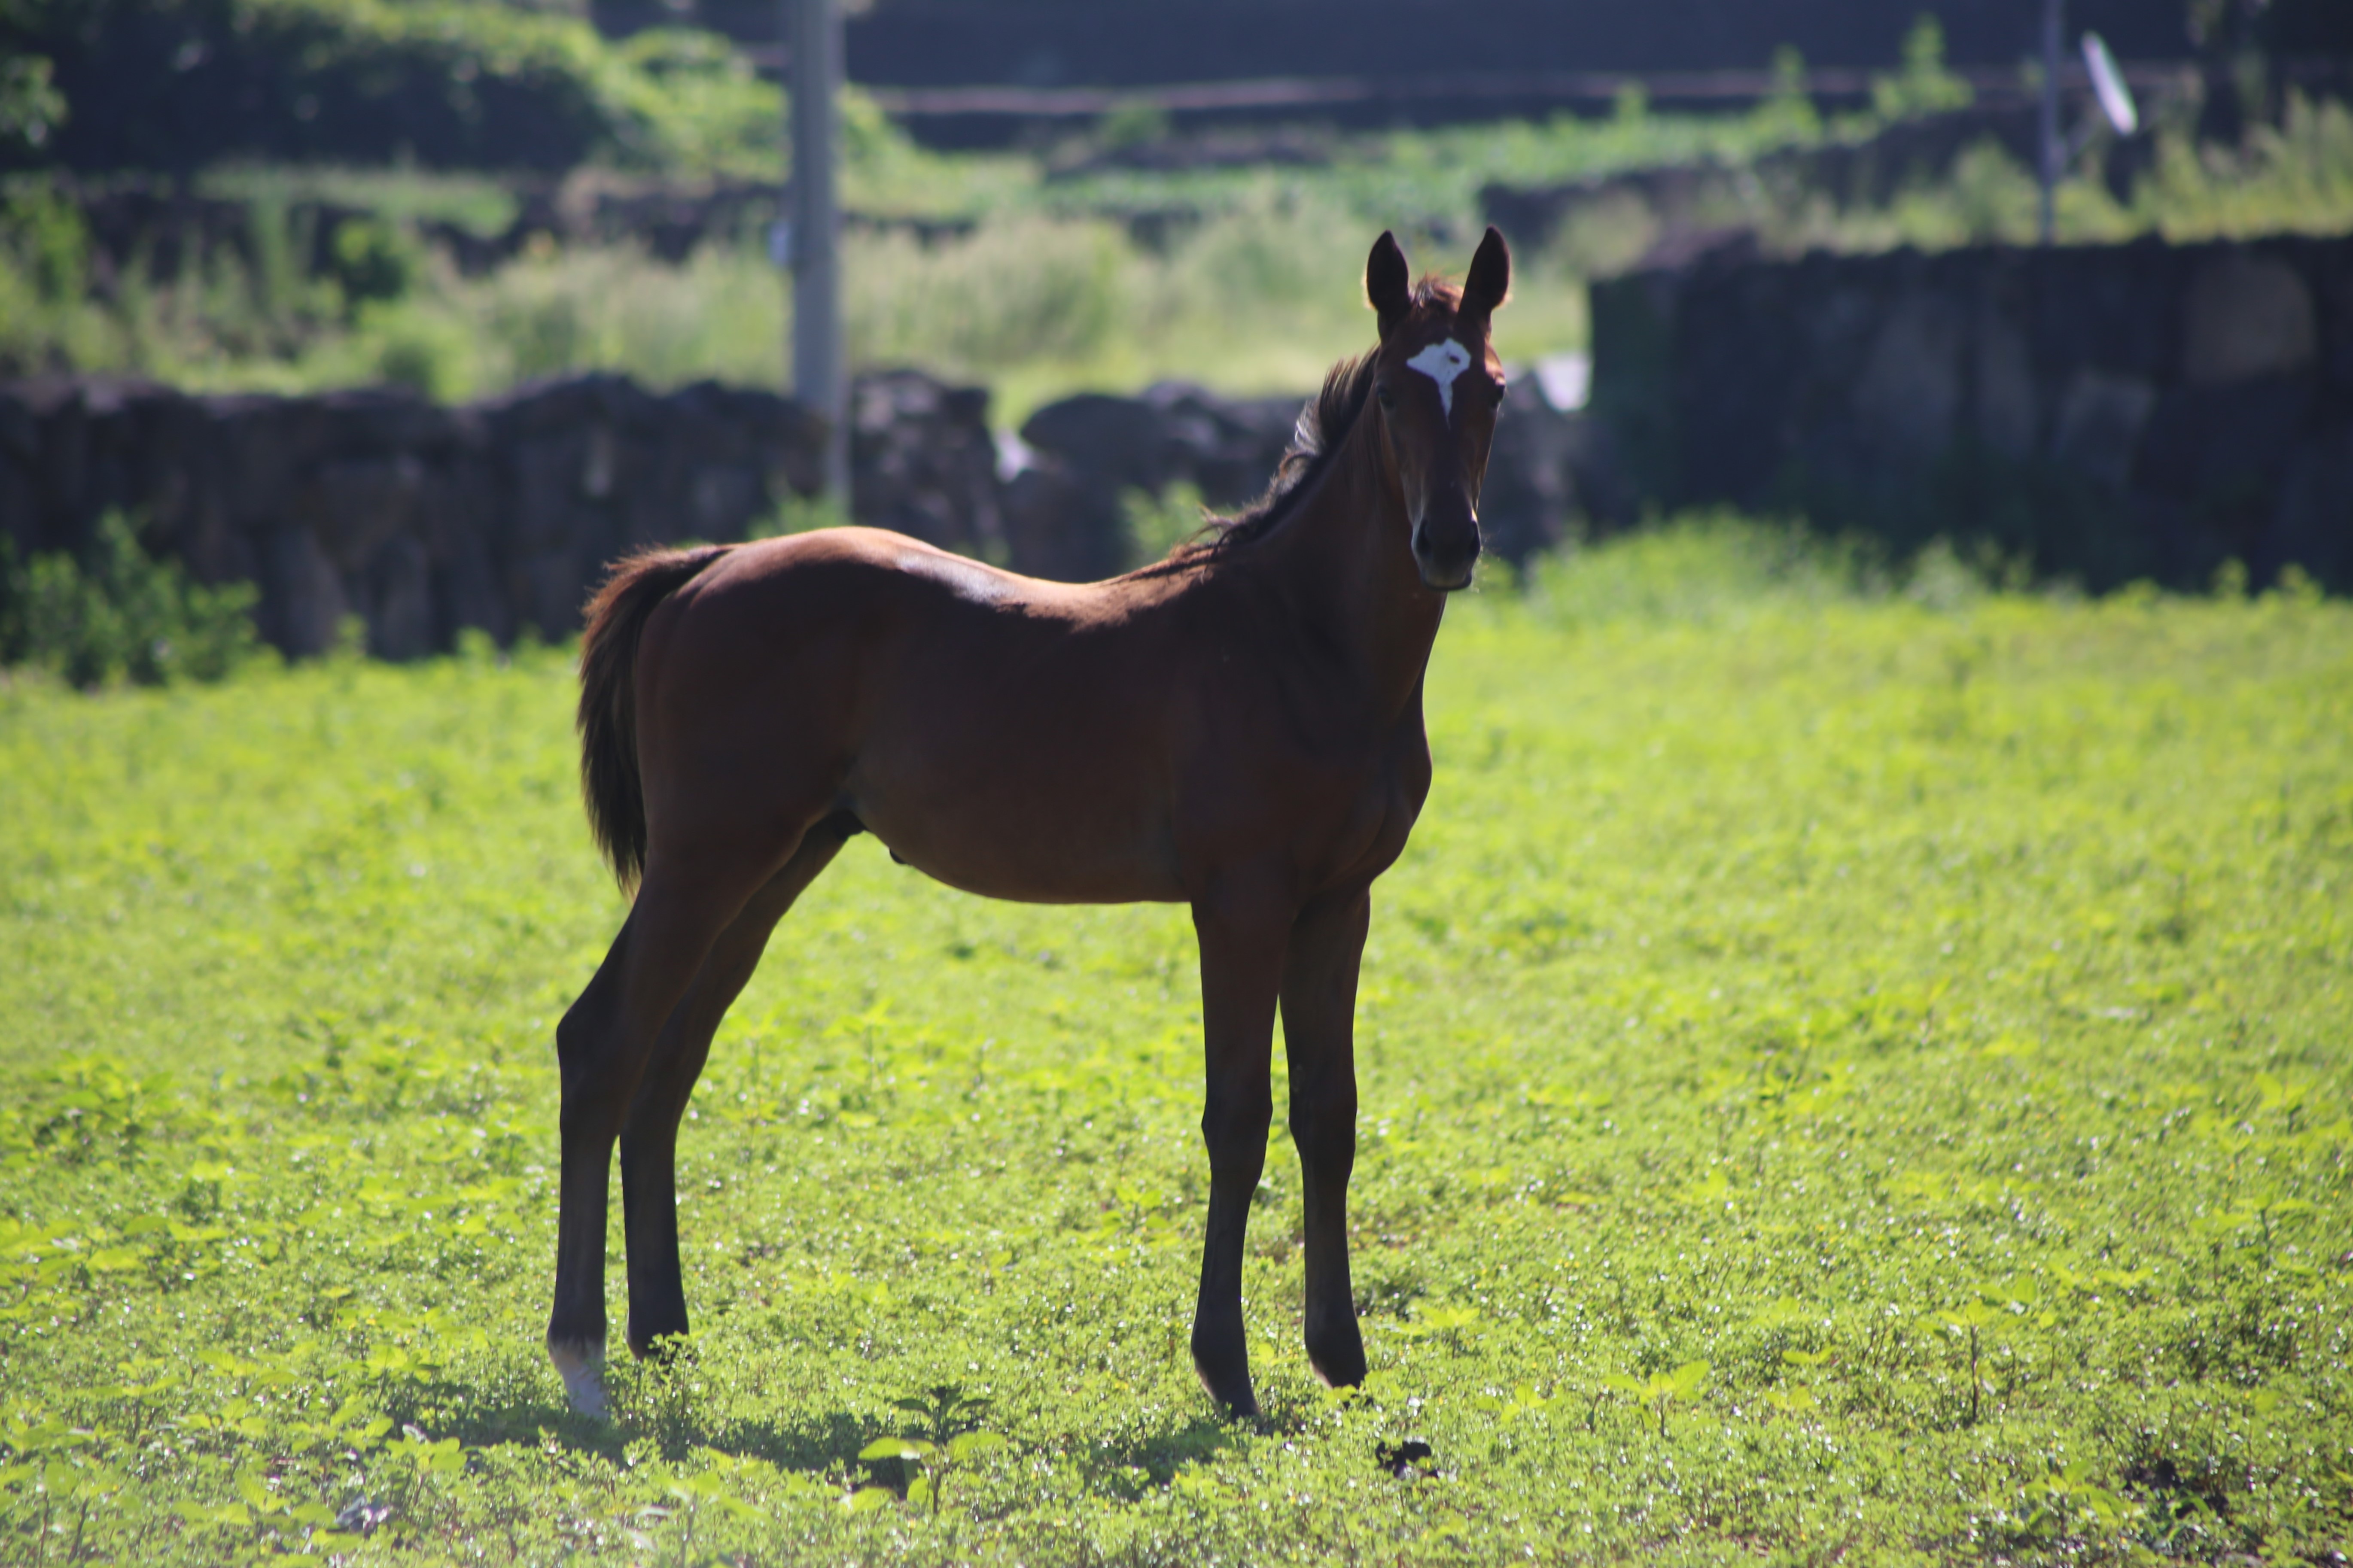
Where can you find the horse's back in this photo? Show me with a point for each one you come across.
(1004, 734)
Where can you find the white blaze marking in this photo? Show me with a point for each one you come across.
(1442, 362)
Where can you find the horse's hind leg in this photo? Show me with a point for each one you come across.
(602, 1046)
(650, 1138)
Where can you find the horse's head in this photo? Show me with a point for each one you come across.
(1438, 385)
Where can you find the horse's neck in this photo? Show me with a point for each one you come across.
(1348, 564)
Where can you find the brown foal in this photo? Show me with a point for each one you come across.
(1238, 727)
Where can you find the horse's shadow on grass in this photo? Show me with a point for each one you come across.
(808, 1441)
(1136, 1465)
(822, 1445)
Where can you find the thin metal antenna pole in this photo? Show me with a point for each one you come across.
(813, 30)
(2053, 25)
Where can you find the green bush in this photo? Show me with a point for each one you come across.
(120, 614)
(30, 104)
(375, 260)
(1158, 524)
(179, 84)
(1924, 86)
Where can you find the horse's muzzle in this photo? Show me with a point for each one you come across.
(1445, 549)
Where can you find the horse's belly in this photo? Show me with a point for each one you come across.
(1003, 841)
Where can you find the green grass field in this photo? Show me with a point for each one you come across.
(1846, 1076)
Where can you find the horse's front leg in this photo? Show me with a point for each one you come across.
(1242, 970)
(1319, 1012)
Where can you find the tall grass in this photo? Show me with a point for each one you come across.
(2296, 176)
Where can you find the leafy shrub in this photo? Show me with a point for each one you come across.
(50, 240)
(1020, 287)
(430, 352)
(1158, 524)
(121, 614)
(375, 260)
(165, 85)
(1924, 86)
(30, 104)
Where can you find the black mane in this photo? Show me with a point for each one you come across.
(1315, 440)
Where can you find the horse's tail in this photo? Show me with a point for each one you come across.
(610, 780)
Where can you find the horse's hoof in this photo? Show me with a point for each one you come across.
(1232, 1393)
(1338, 1361)
(582, 1367)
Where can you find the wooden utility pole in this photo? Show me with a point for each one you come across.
(2053, 25)
(813, 40)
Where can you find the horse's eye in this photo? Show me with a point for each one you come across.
(1387, 398)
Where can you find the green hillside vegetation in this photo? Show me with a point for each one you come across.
(1049, 291)
(181, 85)
(1049, 271)
(1850, 1071)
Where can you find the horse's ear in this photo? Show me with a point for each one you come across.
(1489, 283)
(1387, 285)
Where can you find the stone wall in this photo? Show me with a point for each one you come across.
(424, 520)
(2108, 413)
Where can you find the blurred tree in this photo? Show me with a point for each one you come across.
(1924, 86)
(2228, 35)
(31, 107)
(173, 85)
(1788, 109)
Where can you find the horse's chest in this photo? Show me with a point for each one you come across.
(1370, 821)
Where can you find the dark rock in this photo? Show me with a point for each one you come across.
(1116, 443)
(396, 601)
(1906, 402)
(1059, 528)
(302, 598)
(1227, 447)
(1530, 491)
(1605, 491)
(2312, 526)
(923, 462)
(2247, 316)
(2101, 418)
(1091, 451)
(2216, 443)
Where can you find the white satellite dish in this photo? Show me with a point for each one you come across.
(2108, 82)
